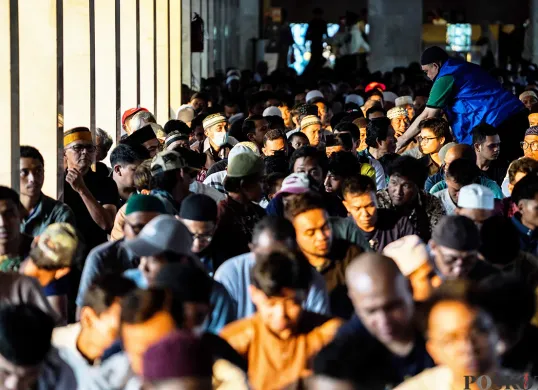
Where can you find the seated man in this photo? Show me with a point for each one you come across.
(315, 238)
(41, 210)
(487, 145)
(460, 173)
(454, 246)
(166, 240)
(280, 340)
(452, 321)
(27, 360)
(384, 319)
(93, 199)
(83, 344)
(405, 195)
(343, 165)
(236, 274)
(399, 119)
(476, 202)
(517, 170)
(434, 134)
(14, 245)
(50, 262)
(380, 227)
(218, 143)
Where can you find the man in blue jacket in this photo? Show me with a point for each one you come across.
(469, 96)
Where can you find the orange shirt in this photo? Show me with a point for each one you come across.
(274, 363)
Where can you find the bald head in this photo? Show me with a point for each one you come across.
(370, 268)
(459, 151)
(381, 296)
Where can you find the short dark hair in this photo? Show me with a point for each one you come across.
(345, 140)
(234, 184)
(312, 152)
(200, 95)
(124, 154)
(31, 152)
(275, 122)
(349, 127)
(409, 167)
(358, 185)
(524, 165)
(344, 164)
(271, 180)
(280, 228)
(25, 334)
(526, 188)
(374, 92)
(482, 131)
(374, 109)
(198, 120)
(278, 270)
(463, 172)
(277, 164)
(301, 203)
(272, 135)
(7, 193)
(177, 125)
(187, 282)
(438, 126)
(249, 125)
(377, 129)
(106, 139)
(299, 134)
(105, 290)
(140, 305)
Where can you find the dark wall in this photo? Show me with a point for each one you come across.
(475, 11)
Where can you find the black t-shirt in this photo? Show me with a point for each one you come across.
(105, 191)
(497, 171)
(390, 226)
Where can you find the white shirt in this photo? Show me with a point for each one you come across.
(448, 203)
(199, 188)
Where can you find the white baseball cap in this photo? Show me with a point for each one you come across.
(475, 196)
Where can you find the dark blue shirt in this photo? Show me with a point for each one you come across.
(528, 239)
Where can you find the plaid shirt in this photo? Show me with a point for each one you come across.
(426, 213)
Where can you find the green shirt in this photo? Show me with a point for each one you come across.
(441, 92)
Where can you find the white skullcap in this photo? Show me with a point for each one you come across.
(403, 100)
(409, 253)
(397, 112)
(353, 98)
(389, 96)
(235, 72)
(313, 95)
(185, 113)
(272, 111)
(475, 196)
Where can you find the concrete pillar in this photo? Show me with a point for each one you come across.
(205, 55)
(196, 58)
(175, 56)
(395, 33)
(162, 63)
(249, 26)
(186, 16)
(531, 37)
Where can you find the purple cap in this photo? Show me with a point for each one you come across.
(296, 183)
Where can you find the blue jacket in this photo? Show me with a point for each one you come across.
(476, 98)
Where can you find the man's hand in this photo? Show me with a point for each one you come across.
(75, 179)
(401, 143)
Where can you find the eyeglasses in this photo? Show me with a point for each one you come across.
(533, 145)
(207, 237)
(425, 139)
(79, 148)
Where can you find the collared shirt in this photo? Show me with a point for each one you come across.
(213, 156)
(235, 276)
(224, 308)
(46, 212)
(390, 226)
(108, 257)
(425, 214)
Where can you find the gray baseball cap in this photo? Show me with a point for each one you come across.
(164, 233)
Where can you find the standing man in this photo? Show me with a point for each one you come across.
(218, 143)
(124, 161)
(469, 96)
(487, 145)
(41, 210)
(92, 198)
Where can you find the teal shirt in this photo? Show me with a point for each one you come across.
(497, 192)
(47, 212)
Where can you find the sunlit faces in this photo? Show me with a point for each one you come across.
(314, 234)
(105, 327)
(80, 155)
(533, 119)
(402, 191)
(429, 142)
(311, 167)
(462, 338)
(272, 146)
(279, 313)
(530, 146)
(137, 338)
(10, 220)
(363, 209)
(491, 147)
(135, 222)
(400, 124)
(32, 176)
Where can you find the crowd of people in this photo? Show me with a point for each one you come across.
(370, 235)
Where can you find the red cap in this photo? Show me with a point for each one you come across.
(131, 111)
(375, 85)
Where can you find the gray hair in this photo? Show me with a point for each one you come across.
(106, 139)
(141, 119)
